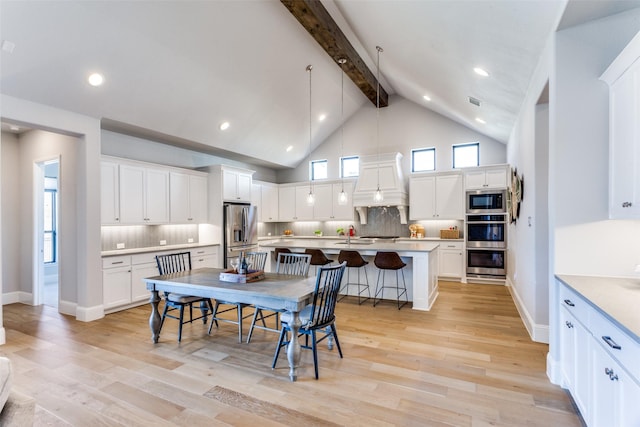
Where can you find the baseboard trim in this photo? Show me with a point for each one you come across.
(88, 314)
(537, 332)
(67, 307)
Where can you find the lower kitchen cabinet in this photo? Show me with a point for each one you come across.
(122, 275)
(599, 363)
(451, 260)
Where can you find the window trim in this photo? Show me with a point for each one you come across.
(466, 144)
(422, 150)
(341, 166)
(312, 169)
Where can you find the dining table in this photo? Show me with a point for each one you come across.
(275, 291)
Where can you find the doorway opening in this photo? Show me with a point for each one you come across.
(47, 211)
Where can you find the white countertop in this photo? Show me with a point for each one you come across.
(617, 298)
(132, 251)
(412, 245)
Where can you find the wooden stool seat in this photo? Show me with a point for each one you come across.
(390, 261)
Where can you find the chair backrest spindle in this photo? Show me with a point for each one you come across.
(293, 263)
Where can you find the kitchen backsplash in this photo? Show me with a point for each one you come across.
(144, 236)
(381, 221)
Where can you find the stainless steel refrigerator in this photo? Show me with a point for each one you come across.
(240, 230)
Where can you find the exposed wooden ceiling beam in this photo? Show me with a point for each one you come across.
(317, 21)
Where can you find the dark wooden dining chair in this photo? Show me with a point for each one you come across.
(256, 261)
(288, 263)
(319, 316)
(174, 263)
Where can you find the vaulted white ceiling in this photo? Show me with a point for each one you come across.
(176, 70)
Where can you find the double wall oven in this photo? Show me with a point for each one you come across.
(486, 233)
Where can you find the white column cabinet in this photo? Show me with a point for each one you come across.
(486, 177)
(623, 78)
(189, 198)
(236, 185)
(436, 196)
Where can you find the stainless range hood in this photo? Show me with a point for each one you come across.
(384, 169)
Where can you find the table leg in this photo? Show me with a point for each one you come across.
(293, 349)
(154, 319)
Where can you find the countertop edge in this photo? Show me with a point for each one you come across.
(598, 302)
(133, 251)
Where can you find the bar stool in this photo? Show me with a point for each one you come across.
(390, 261)
(354, 260)
(318, 258)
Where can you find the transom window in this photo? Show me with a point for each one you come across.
(349, 166)
(466, 155)
(318, 169)
(423, 159)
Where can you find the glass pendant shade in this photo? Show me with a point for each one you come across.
(378, 197)
(311, 198)
(343, 198)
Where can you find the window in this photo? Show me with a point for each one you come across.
(50, 244)
(466, 155)
(349, 166)
(318, 169)
(423, 159)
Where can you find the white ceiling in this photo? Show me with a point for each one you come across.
(175, 70)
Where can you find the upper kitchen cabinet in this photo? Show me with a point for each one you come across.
(144, 195)
(327, 207)
(236, 185)
(110, 193)
(485, 177)
(264, 195)
(436, 196)
(292, 203)
(623, 78)
(189, 197)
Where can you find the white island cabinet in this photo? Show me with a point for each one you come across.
(623, 78)
(421, 272)
(599, 337)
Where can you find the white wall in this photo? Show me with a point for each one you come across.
(404, 125)
(83, 261)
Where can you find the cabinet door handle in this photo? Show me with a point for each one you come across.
(569, 303)
(569, 324)
(612, 375)
(611, 343)
(117, 262)
(627, 204)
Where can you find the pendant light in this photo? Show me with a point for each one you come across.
(343, 197)
(311, 198)
(378, 196)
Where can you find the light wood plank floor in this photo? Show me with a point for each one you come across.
(467, 362)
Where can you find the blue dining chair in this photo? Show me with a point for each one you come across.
(319, 316)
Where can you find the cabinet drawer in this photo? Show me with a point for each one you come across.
(447, 244)
(616, 342)
(575, 304)
(204, 251)
(116, 261)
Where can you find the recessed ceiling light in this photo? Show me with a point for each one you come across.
(14, 128)
(321, 117)
(289, 148)
(427, 98)
(8, 46)
(96, 79)
(481, 72)
(479, 120)
(224, 125)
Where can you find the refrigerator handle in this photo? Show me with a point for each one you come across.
(245, 223)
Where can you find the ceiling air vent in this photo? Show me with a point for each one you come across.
(474, 101)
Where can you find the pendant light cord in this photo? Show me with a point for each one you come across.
(309, 68)
(342, 61)
(379, 49)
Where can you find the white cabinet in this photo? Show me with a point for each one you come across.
(204, 257)
(142, 266)
(116, 281)
(486, 177)
(236, 185)
(189, 198)
(342, 212)
(322, 209)
(265, 197)
(623, 78)
(144, 195)
(292, 203)
(110, 193)
(304, 211)
(598, 362)
(451, 259)
(436, 196)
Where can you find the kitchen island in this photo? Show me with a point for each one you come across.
(421, 272)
